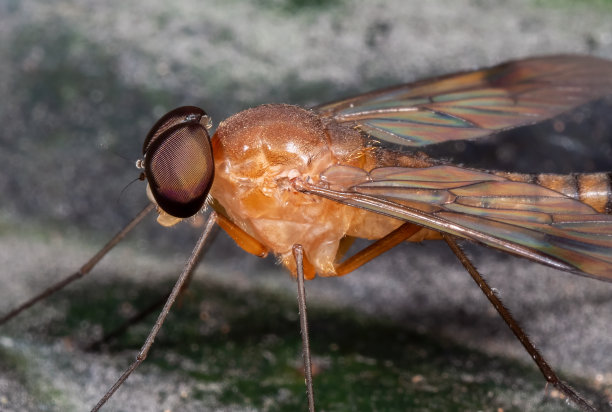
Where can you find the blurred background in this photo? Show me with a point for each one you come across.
(81, 84)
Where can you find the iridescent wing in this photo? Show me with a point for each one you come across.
(520, 218)
(475, 104)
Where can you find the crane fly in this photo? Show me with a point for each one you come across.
(302, 183)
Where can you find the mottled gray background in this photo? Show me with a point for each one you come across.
(82, 81)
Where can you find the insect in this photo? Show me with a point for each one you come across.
(301, 184)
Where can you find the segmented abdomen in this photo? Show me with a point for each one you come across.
(594, 189)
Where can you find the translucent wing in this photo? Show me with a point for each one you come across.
(519, 218)
(475, 104)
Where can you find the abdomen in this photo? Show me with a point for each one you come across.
(594, 189)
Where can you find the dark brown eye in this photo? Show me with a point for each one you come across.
(178, 162)
(172, 118)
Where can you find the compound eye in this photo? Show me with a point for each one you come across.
(172, 118)
(179, 164)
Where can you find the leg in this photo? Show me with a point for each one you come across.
(85, 269)
(243, 239)
(377, 248)
(120, 330)
(298, 254)
(550, 376)
(178, 286)
(247, 242)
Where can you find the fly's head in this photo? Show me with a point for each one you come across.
(178, 163)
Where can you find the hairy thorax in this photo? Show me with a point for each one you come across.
(258, 151)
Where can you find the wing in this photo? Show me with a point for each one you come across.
(520, 218)
(475, 104)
